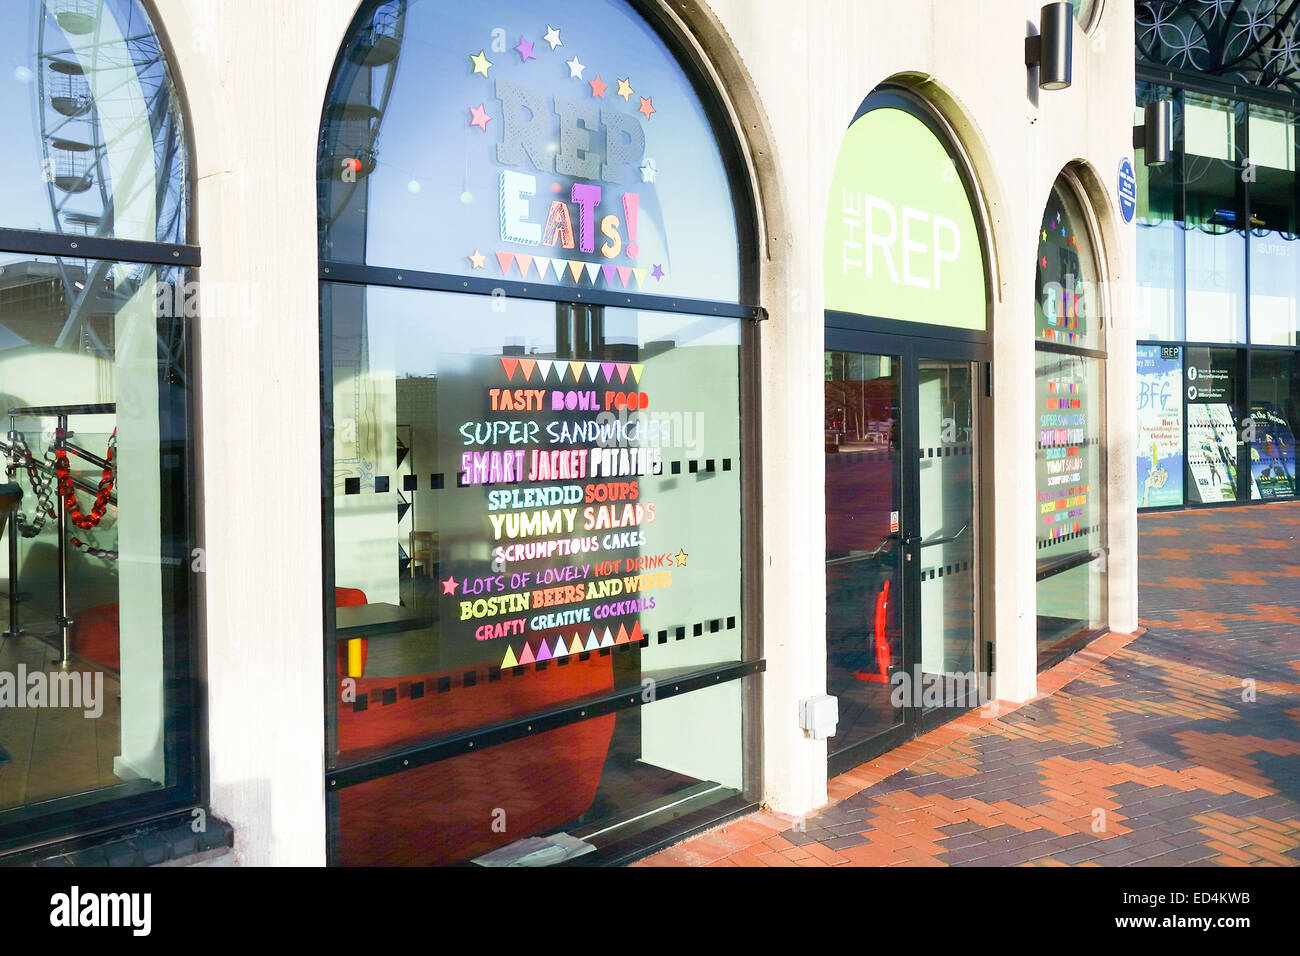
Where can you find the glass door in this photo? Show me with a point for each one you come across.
(902, 542)
(946, 460)
(863, 535)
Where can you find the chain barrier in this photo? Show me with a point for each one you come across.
(56, 461)
(64, 472)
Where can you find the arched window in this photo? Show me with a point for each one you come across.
(95, 307)
(1070, 510)
(533, 341)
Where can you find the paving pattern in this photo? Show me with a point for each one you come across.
(1179, 746)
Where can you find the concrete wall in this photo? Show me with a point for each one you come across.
(255, 73)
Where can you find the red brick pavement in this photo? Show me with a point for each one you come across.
(1176, 746)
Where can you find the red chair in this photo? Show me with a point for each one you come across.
(95, 636)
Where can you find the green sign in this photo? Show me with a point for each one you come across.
(901, 240)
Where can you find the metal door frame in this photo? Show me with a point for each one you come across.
(910, 349)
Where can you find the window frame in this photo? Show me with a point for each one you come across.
(87, 818)
(1069, 179)
(1177, 83)
(695, 67)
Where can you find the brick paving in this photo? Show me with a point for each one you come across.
(1178, 746)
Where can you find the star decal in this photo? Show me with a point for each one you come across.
(681, 558)
(525, 50)
(481, 62)
(625, 89)
(598, 88)
(657, 272)
(478, 117)
(646, 107)
(552, 36)
(449, 586)
(477, 259)
(575, 69)
(649, 170)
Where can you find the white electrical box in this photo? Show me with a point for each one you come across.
(819, 715)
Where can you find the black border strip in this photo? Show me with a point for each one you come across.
(1068, 564)
(356, 274)
(1060, 348)
(472, 741)
(854, 322)
(62, 245)
(1214, 86)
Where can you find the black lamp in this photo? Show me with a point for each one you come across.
(1156, 134)
(1052, 51)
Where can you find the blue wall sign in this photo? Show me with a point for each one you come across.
(1127, 190)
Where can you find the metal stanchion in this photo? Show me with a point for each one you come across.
(11, 495)
(60, 413)
(64, 623)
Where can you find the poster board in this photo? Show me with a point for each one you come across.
(1159, 426)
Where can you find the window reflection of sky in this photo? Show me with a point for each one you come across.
(433, 197)
(122, 61)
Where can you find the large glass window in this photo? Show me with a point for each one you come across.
(533, 462)
(1269, 431)
(1274, 249)
(1214, 383)
(97, 696)
(94, 134)
(1161, 238)
(573, 154)
(1213, 159)
(1066, 281)
(1069, 402)
(1217, 262)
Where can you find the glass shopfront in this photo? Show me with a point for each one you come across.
(906, 402)
(1069, 395)
(98, 696)
(539, 636)
(1217, 266)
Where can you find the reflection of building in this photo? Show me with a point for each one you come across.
(35, 304)
(1219, 236)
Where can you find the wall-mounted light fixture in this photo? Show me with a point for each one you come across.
(1052, 51)
(1155, 136)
